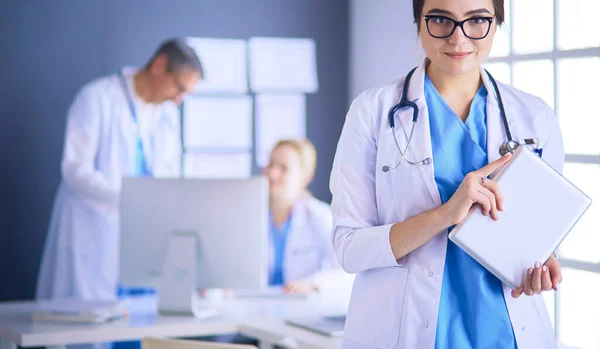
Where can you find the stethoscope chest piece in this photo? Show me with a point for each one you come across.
(508, 147)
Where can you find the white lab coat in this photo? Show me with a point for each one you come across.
(394, 304)
(308, 251)
(80, 258)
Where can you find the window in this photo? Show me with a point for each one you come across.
(551, 48)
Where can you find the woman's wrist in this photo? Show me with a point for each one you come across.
(443, 217)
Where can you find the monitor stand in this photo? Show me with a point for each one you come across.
(177, 289)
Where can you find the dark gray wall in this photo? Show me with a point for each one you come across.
(51, 48)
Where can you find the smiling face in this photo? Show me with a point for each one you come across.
(290, 170)
(449, 48)
(285, 173)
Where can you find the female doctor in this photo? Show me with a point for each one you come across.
(300, 251)
(403, 177)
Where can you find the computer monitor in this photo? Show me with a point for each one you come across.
(198, 233)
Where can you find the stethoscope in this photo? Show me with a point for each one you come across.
(509, 146)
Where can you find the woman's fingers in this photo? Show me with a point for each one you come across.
(484, 201)
(555, 272)
(516, 293)
(536, 280)
(476, 188)
(546, 280)
(493, 166)
(492, 199)
(494, 188)
(528, 290)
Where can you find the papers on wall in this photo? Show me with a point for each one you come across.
(218, 119)
(280, 64)
(217, 122)
(278, 117)
(224, 63)
(217, 165)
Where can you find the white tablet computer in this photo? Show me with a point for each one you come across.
(541, 207)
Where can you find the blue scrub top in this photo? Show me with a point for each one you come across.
(472, 311)
(279, 237)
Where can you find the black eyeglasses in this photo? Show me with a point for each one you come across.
(441, 27)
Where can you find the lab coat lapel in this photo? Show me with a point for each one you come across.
(420, 147)
(496, 133)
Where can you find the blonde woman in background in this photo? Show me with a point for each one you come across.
(301, 257)
(300, 248)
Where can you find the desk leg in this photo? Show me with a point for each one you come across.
(6, 344)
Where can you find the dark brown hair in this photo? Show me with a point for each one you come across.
(498, 10)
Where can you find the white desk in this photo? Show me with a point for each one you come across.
(276, 332)
(262, 319)
(258, 318)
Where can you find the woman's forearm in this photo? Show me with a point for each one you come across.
(416, 231)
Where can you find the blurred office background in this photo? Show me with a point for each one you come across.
(550, 48)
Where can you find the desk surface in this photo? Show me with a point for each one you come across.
(260, 318)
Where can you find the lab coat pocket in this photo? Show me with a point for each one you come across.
(375, 312)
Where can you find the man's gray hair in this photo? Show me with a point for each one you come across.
(179, 55)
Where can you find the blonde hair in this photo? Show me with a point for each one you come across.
(307, 153)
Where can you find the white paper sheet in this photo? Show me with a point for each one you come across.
(217, 165)
(217, 122)
(279, 64)
(224, 63)
(278, 117)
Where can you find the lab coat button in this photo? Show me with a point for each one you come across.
(430, 274)
(523, 328)
(425, 325)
